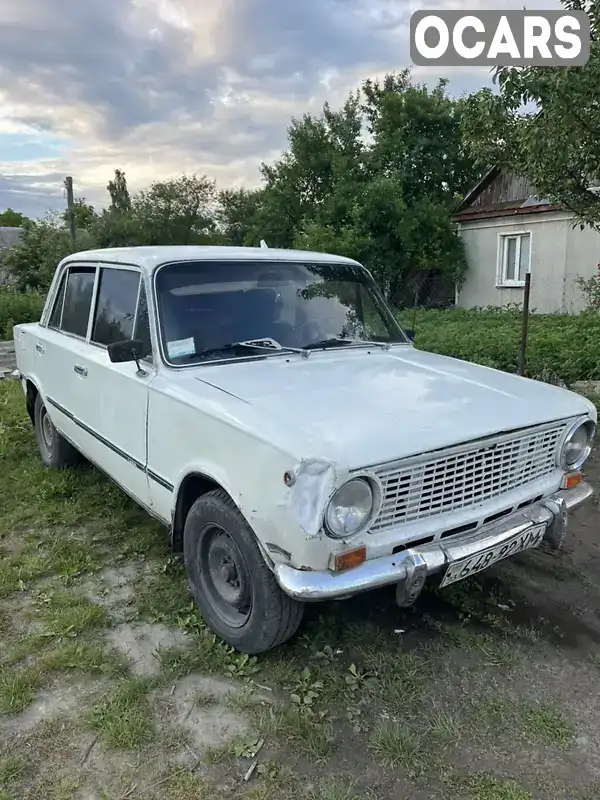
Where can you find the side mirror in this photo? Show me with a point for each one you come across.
(410, 333)
(127, 350)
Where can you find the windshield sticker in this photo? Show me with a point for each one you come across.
(182, 347)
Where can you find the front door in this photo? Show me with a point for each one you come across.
(116, 395)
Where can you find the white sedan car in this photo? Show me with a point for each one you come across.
(266, 407)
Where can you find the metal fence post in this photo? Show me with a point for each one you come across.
(523, 353)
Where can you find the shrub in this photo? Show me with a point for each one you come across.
(590, 288)
(560, 347)
(16, 307)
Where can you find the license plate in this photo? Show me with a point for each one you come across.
(480, 561)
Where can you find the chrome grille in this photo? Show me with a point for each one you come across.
(461, 477)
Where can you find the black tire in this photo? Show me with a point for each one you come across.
(253, 616)
(54, 449)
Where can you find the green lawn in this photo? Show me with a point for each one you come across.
(110, 682)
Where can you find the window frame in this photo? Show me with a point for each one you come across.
(158, 330)
(67, 269)
(96, 266)
(502, 281)
(124, 268)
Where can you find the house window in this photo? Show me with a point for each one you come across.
(514, 259)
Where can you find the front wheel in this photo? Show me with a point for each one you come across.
(235, 590)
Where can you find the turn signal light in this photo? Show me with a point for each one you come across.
(350, 559)
(571, 480)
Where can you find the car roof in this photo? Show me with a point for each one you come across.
(148, 258)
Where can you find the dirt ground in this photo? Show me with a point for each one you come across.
(111, 688)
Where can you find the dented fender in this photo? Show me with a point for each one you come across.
(313, 483)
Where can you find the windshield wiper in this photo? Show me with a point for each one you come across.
(335, 341)
(266, 344)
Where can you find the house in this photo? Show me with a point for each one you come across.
(508, 231)
(9, 237)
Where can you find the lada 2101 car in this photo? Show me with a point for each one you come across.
(267, 407)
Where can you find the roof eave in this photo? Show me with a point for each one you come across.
(469, 216)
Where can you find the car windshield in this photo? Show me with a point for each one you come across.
(205, 307)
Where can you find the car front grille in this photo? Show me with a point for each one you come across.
(464, 476)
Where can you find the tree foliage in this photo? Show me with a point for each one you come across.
(12, 219)
(376, 180)
(545, 124)
(120, 199)
(44, 243)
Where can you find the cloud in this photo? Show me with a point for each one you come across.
(158, 87)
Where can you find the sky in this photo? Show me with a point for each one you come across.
(161, 87)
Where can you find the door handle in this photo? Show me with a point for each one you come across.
(80, 370)
(40, 348)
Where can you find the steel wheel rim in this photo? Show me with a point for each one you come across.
(225, 575)
(46, 430)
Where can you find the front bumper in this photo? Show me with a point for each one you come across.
(409, 568)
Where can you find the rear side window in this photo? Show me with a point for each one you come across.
(56, 315)
(78, 300)
(116, 305)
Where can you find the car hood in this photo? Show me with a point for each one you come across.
(362, 407)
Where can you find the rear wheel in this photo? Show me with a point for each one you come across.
(54, 449)
(235, 590)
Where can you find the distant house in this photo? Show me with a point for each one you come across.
(508, 231)
(9, 237)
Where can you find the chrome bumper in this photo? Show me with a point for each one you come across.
(410, 567)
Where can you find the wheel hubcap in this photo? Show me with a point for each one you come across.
(225, 576)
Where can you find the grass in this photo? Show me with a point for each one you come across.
(310, 737)
(124, 719)
(183, 785)
(545, 724)
(559, 347)
(395, 745)
(18, 688)
(67, 615)
(337, 789)
(11, 769)
(350, 694)
(486, 787)
(539, 723)
(83, 658)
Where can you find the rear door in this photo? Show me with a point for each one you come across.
(59, 349)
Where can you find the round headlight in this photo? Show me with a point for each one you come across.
(578, 445)
(350, 508)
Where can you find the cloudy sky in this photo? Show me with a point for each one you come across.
(161, 87)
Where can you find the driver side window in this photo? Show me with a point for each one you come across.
(121, 308)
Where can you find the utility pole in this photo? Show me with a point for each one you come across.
(71, 209)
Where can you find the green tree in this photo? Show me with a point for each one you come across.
(120, 200)
(545, 124)
(417, 138)
(85, 215)
(385, 199)
(236, 217)
(12, 219)
(177, 211)
(33, 261)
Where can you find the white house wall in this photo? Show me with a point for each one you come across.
(559, 253)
